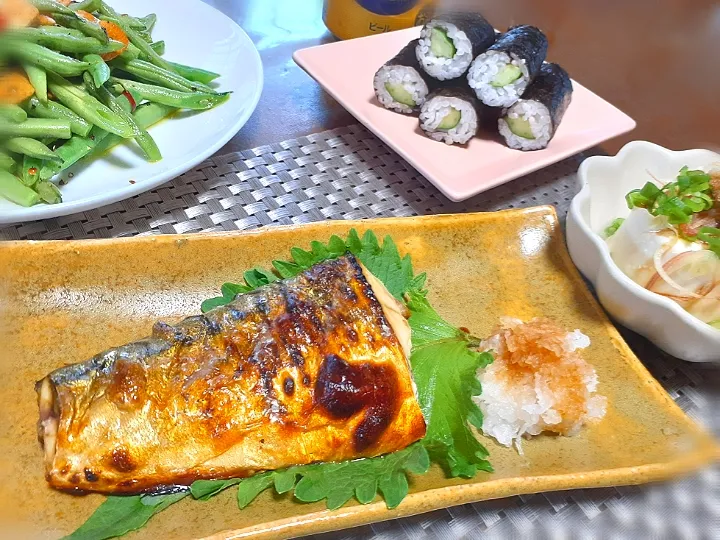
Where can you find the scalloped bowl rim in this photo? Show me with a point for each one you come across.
(583, 198)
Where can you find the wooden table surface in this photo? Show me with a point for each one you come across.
(657, 60)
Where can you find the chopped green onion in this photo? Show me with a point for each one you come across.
(711, 236)
(678, 201)
(613, 227)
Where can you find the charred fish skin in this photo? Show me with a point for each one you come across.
(313, 368)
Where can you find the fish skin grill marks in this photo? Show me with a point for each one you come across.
(216, 389)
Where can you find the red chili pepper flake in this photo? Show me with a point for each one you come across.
(32, 171)
(464, 329)
(131, 100)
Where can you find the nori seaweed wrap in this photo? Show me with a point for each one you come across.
(531, 123)
(501, 74)
(449, 42)
(450, 115)
(401, 84)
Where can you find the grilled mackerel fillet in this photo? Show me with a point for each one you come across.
(313, 368)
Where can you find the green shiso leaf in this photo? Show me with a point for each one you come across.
(250, 488)
(203, 490)
(120, 515)
(444, 367)
(337, 483)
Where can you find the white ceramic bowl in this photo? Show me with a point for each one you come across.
(605, 181)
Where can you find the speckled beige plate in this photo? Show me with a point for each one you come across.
(62, 302)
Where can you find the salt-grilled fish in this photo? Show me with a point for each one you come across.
(312, 368)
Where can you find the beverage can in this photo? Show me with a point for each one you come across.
(348, 19)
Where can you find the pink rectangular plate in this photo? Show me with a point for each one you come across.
(345, 69)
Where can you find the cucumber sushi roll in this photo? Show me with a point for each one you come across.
(530, 123)
(401, 84)
(501, 74)
(450, 115)
(449, 42)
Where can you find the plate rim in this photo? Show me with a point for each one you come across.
(47, 211)
(299, 56)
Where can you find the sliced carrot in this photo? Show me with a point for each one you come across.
(14, 88)
(44, 20)
(87, 16)
(112, 30)
(116, 33)
(17, 13)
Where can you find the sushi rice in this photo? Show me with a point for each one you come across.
(436, 108)
(410, 79)
(484, 69)
(538, 382)
(444, 68)
(537, 115)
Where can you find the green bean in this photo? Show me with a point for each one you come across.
(88, 28)
(125, 21)
(149, 22)
(30, 173)
(38, 78)
(48, 192)
(73, 151)
(131, 53)
(85, 5)
(154, 74)
(13, 190)
(159, 47)
(135, 39)
(109, 14)
(195, 74)
(134, 22)
(89, 108)
(146, 115)
(65, 43)
(143, 138)
(30, 147)
(99, 70)
(50, 6)
(14, 113)
(48, 59)
(61, 30)
(53, 109)
(36, 128)
(6, 161)
(173, 98)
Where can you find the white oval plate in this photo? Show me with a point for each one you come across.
(195, 34)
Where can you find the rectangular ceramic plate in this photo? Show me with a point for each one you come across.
(63, 302)
(345, 70)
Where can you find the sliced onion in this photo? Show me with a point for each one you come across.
(707, 282)
(707, 309)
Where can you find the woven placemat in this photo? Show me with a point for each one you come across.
(348, 173)
(345, 173)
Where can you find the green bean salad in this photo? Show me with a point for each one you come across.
(76, 79)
